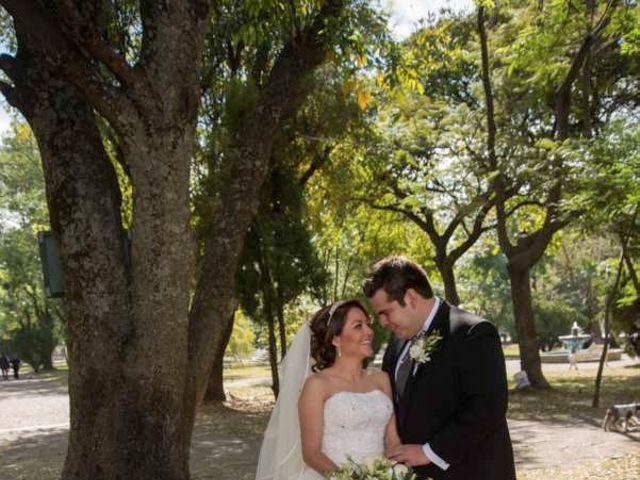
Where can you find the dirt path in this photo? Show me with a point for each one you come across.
(34, 425)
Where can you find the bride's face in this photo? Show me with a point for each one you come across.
(357, 335)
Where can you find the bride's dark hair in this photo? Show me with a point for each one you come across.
(323, 331)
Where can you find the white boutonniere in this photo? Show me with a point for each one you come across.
(424, 346)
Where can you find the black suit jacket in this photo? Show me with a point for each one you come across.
(457, 401)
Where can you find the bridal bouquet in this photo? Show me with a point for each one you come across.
(375, 468)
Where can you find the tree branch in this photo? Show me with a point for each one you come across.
(9, 94)
(498, 181)
(86, 39)
(44, 35)
(8, 66)
(317, 162)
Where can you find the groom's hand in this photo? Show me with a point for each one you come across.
(410, 455)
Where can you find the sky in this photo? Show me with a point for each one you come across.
(404, 17)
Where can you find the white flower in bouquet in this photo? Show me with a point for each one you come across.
(373, 468)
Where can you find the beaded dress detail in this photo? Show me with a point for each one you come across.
(354, 426)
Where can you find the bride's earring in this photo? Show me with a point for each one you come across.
(338, 351)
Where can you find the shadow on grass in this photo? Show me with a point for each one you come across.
(225, 446)
(36, 384)
(36, 455)
(570, 399)
(227, 438)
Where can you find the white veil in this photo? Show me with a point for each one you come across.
(281, 451)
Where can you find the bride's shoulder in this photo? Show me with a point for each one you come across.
(318, 383)
(379, 377)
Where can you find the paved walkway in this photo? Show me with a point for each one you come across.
(34, 425)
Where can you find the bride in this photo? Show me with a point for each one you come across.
(344, 410)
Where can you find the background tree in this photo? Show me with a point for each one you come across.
(136, 315)
(426, 161)
(610, 202)
(539, 128)
(278, 262)
(31, 324)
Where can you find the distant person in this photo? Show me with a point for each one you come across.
(15, 364)
(4, 366)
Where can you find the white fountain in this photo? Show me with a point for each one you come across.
(575, 341)
(574, 349)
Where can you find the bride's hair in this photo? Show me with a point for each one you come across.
(323, 329)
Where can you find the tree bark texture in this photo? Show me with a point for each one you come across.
(139, 361)
(84, 205)
(215, 386)
(283, 91)
(527, 337)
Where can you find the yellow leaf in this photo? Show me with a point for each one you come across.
(364, 98)
(361, 60)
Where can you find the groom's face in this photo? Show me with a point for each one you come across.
(400, 319)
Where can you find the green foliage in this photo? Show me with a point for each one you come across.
(242, 342)
(554, 318)
(485, 285)
(278, 259)
(29, 324)
(610, 178)
(33, 340)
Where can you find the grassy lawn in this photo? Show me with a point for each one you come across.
(238, 371)
(511, 351)
(572, 393)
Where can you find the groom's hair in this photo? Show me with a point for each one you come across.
(396, 274)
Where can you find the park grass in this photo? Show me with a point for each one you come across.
(569, 398)
(571, 395)
(238, 370)
(511, 351)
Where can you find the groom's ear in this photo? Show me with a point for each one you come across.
(411, 298)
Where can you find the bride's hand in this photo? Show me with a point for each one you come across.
(410, 455)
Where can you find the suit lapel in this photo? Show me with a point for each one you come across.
(440, 324)
(395, 348)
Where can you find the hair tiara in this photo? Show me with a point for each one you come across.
(333, 309)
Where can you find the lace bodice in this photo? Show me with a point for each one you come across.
(354, 426)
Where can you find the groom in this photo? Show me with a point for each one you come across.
(448, 376)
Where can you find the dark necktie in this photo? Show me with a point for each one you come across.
(404, 370)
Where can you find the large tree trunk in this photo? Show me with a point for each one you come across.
(525, 327)
(138, 361)
(84, 205)
(215, 386)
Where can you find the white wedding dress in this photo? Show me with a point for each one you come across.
(354, 426)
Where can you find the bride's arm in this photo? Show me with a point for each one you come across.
(391, 436)
(310, 413)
